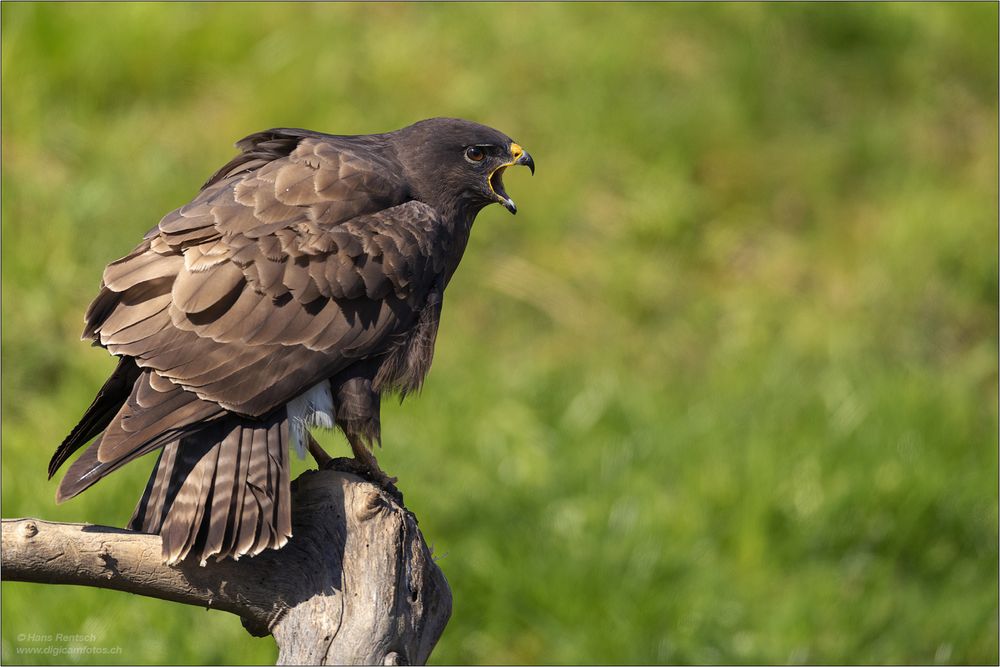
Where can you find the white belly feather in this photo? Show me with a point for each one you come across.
(312, 408)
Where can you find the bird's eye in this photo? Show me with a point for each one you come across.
(474, 154)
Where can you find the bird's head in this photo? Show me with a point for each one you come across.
(456, 163)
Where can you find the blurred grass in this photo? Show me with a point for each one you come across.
(724, 391)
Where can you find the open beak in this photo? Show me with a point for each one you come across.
(518, 156)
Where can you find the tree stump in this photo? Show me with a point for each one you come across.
(356, 584)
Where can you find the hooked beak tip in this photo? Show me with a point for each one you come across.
(521, 157)
(526, 160)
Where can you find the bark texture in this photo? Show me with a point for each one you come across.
(356, 584)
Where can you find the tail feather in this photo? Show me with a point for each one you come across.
(221, 485)
(280, 459)
(185, 517)
(250, 511)
(208, 498)
(230, 544)
(222, 493)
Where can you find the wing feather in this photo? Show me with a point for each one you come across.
(219, 331)
(197, 291)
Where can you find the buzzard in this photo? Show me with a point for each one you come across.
(303, 281)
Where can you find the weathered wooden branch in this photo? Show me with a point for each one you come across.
(356, 584)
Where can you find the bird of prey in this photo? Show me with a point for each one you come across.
(302, 282)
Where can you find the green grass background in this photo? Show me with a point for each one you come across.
(725, 390)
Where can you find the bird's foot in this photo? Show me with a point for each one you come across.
(365, 471)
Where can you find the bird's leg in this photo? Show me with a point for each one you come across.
(364, 456)
(322, 458)
(357, 415)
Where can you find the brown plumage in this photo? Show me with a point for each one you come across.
(304, 281)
